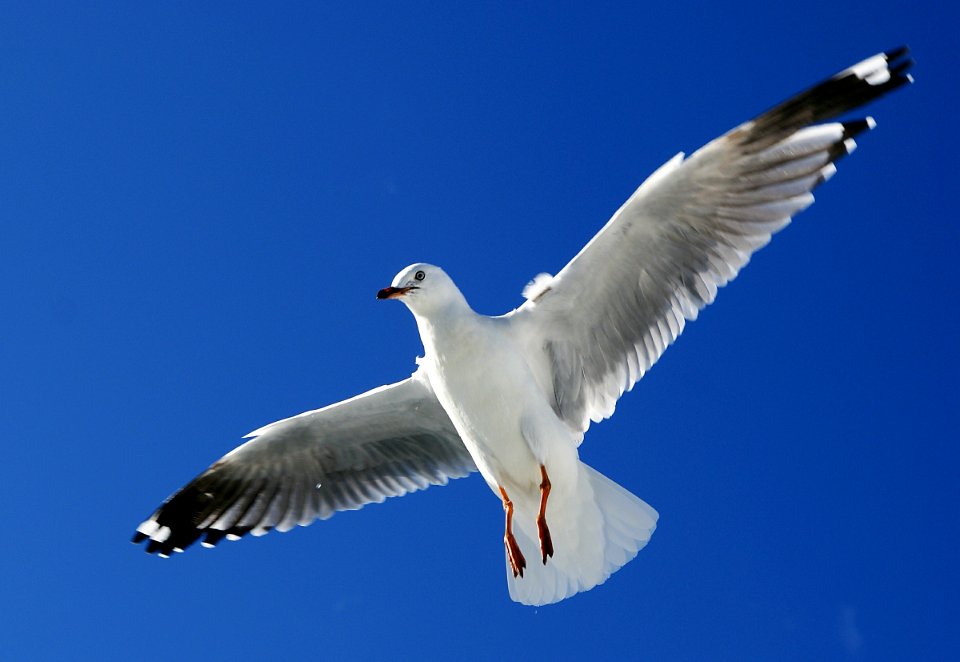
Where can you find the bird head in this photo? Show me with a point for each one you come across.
(423, 288)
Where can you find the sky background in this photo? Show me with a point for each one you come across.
(198, 202)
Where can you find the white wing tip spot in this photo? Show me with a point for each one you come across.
(873, 70)
(827, 172)
(148, 528)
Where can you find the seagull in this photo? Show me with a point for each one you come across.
(512, 396)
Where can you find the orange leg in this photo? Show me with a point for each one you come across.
(546, 543)
(514, 555)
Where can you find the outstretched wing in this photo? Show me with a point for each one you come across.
(386, 442)
(606, 318)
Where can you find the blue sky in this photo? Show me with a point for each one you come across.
(199, 203)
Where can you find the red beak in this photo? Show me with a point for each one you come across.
(392, 292)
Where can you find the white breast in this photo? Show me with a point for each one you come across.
(484, 384)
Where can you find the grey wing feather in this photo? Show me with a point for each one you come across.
(387, 442)
(606, 318)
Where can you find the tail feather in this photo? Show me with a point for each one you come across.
(596, 529)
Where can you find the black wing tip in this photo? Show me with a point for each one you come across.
(847, 143)
(855, 86)
(896, 65)
(176, 542)
(179, 521)
(897, 53)
(854, 128)
(212, 537)
(183, 536)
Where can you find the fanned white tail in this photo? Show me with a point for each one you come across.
(596, 529)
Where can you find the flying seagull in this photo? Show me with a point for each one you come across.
(512, 396)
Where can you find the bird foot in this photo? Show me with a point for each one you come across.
(514, 555)
(546, 542)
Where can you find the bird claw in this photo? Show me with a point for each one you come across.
(546, 543)
(514, 555)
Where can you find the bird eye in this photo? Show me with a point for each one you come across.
(419, 275)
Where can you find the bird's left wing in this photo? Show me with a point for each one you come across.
(386, 442)
(606, 318)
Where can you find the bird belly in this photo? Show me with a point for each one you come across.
(491, 396)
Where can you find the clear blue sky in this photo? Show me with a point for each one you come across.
(198, 204)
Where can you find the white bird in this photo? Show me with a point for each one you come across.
(512, 396)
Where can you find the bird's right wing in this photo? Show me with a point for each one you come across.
(386, 442)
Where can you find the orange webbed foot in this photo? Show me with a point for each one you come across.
(546, 542)
(514, 555)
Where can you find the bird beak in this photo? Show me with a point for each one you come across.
(393, 292)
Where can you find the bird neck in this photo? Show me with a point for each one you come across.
(448, 319)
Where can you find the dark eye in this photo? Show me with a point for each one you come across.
(419, 275)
